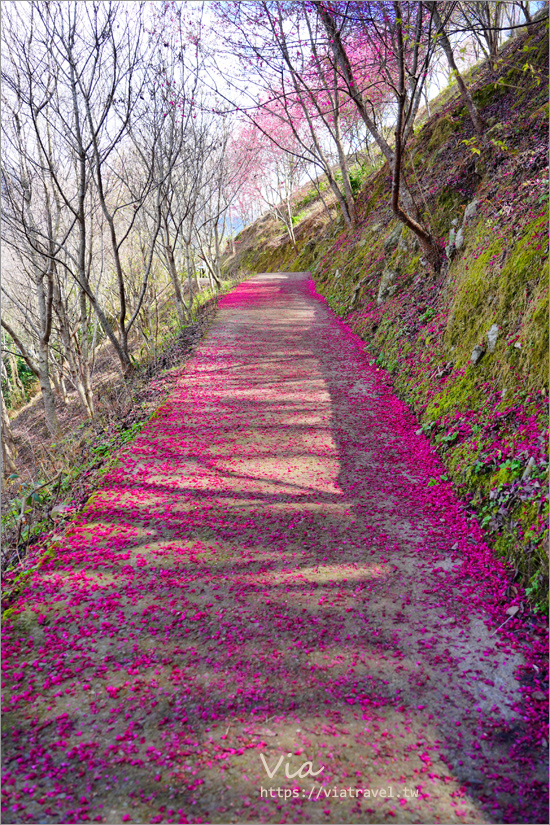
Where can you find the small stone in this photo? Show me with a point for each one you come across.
(61, 510)
(477, 354)
(459, 241)
(403, 244)
(538, 696)
(517, 345)
(387, 285)
(418, 432)
(531, 466)
(390, 244)
(470, 211)
(492, 336)
(452, 237)
(454, 222)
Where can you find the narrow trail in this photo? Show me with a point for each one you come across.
(266, 572)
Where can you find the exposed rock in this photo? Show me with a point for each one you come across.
(477, 354)
(445, 369)
(61, 510)
(459, 240)
(356, 291)
(492, 336)
(450, 246)
(390, 244)
(387, 285)
(529, 469)
(470, 211)
(336, 274)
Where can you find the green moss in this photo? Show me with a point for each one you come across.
(435, 134)
(374, 190)
(461, 394)
(486, 95)
(533, 360)
(447, 206)
(472, 314)
(441, 131)
(504, 475)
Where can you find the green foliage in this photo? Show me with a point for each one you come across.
(118, 440)
(356, 179)
(312, 194)
(298, 217)
(27, 379)
(357, 176)
(32, 499)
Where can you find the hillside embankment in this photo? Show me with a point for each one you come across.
(467, 348)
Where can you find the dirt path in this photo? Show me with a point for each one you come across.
(266, 577)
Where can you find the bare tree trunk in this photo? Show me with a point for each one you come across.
(78, 364)
(429, 245)
(189, 277)
(5, 376)
(45, 313)
(341, 200)
(231, 231)
(16, 388)
(195, 274)
(47, 391)
(40, 368)
(172, 271)
(353, 90)
(343, 163)
(85, 356)
(427, 101)
(18, 384)
(467, 99)
(343, 61)
(8, 442)
(218, 256)
(59, 383)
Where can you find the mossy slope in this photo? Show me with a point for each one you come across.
(489, 418)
